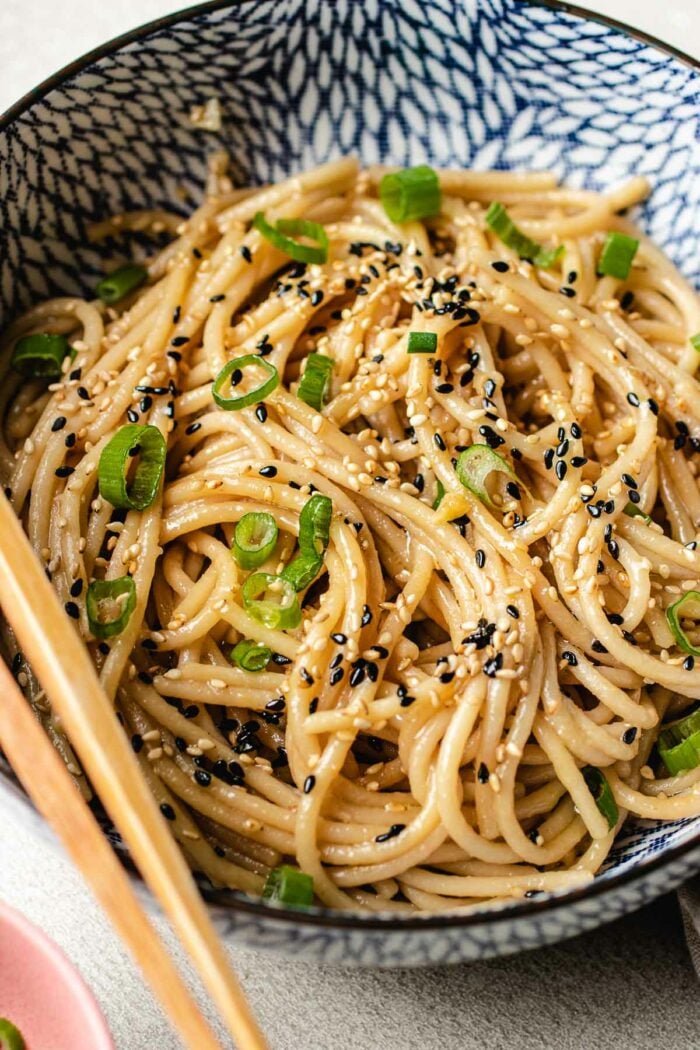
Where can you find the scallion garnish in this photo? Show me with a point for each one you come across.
(231, 375)
(109, 605)
(116, 285)
(254, 539)
(271, 600)
(282, 233)
(679, 743)
(139, 491)
(40, 356)
(690, 605)
(422, 342)
(314, 534)
(440, 495)
(288, 885)
(250, 655)
(316, 380)
(413, 193)
(498, 220)
(695, 341)
(10, 1035)
(597, 784)
(633, 511)
(616, 257)
(315, 524)
(303, 570)
(474, 466)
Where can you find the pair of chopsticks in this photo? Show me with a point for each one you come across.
(62, 664)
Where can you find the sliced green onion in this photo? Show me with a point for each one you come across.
(498, 220)
(303, 570)
(633, 511)
(288, 885)
(109, 605)
(282, 233)
(251, 655)
(119, 283)
(422, 342)
(316, 380)
(695, 341)
(679, 743)
(271, 600)
(315, 524)
(10, 1035)
(40, 356)
(691, 603)
(475, 465)
(413, 193)
(597, 784)
(616, 257)
(440, 495)
(232, 373)
(140, 491)
(254, 539)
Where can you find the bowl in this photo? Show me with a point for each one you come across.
(42, 993)
(469, 83)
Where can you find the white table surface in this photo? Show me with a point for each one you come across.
(627, 985)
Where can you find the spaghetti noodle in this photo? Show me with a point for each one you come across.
(394, 608)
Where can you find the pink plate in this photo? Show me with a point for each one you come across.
(42, 994)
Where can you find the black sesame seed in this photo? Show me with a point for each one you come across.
(627, 300)
(563, 447)
(492, 665)
(483, 774)
(58, 423)
(191, 712)
(598, 647)
(634, 496)
(568, 292)
(393, 831)
(633, 399)
(593, 510)
(268, 472)
(575, 430)
(103, 648)
(689, 663)
(137, 742)
(578, 461)
(246, 253)
(571, 658)
(653, 405)
(309, 784)
(202, 777)
(180, 340)
(560, 469)
(64, 472)
(629, 735)
(480, 558)
(261, 413)
(305, 676)
(82, 393)
(337, 674)
(512, 611)
(339, 637)
(313, 704)
(366, 616)
(167, 811)
(439, 442)
(548, 458)
(76, 588)
(317, 297)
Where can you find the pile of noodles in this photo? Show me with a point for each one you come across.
(419, 741)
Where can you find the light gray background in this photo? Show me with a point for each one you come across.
(627, 985)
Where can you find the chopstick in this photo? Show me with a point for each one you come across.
(47, 782)
(62, 664)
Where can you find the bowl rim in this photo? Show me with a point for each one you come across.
(326, 917)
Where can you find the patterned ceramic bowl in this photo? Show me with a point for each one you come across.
(472, 83)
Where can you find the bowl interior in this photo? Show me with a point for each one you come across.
(461, 83)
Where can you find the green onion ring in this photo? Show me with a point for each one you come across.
(141, 491)
(254, 539)
(474, 466)
(253, 397)
(288, 885)
(102, 591)
(251, 655)
(40, 356)
(598, 785)
(281, 614)
(279, 236)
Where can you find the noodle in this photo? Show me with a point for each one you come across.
(419, 740)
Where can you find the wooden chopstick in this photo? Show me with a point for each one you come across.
(62, 664)
(47, 782)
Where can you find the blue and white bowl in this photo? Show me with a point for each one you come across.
(461, 83)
